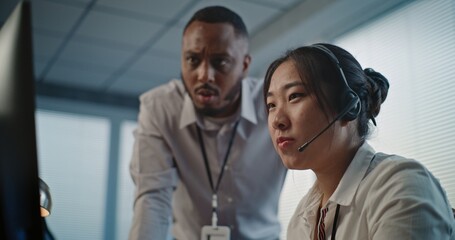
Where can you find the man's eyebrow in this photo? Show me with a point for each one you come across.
(189, 52)
(287, 86)
(220, 54)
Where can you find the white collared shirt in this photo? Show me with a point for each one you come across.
(167, 155)
(381, 197)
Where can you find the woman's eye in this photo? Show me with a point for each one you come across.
(295, 95)
(270, 106)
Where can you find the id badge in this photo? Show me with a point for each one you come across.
(215, 233)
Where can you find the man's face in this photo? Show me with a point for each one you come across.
(214, 62)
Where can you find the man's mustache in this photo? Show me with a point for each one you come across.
(208, 87)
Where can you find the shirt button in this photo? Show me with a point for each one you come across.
(232, 227)
(229, 199)
(226, 167)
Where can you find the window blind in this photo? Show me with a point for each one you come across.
(73, 161)
(414, 47)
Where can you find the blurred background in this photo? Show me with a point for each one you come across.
(93, 58)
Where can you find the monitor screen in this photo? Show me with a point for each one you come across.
(19, 185)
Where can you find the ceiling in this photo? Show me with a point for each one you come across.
(110, 51)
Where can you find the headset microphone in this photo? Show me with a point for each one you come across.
(301, 148)
(354, 102)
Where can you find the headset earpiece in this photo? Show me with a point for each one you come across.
(354, 106)
(350, 99)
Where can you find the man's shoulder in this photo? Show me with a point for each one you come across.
(171, 89)
(253, 94)
(254, 85)
(167, 98)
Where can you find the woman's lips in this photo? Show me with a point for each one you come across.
(284, 142)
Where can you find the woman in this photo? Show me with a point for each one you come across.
(320, 103)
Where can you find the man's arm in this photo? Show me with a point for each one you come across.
(152, 216)
(155, 177)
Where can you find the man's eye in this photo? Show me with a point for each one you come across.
(270, 106)
(192, 60)
(220, 62)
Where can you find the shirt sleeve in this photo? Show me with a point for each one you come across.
(154, 175)
(409, 203)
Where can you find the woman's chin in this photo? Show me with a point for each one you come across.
(293, 164)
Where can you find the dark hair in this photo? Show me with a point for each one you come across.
(323, 79)
(219, 14)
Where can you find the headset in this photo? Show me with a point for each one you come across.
(349, 98)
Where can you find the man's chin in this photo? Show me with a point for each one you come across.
(215, 108)
(208, 111)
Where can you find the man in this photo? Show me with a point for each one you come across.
(202, 153)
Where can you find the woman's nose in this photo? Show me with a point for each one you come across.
(280, 120)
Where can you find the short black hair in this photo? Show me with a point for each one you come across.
(219, 14)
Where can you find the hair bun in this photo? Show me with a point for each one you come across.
(377, 77)
(368, 71)
(379, 87)
(378, 82)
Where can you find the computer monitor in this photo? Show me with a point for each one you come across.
(19, 185)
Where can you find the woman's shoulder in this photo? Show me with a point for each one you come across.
(396, 175)
(396, 166)
(399, 190)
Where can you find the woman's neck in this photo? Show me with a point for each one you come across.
(327, 186)
(329, 178)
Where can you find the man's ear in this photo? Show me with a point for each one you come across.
(246, 63)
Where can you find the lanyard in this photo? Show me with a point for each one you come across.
(335, 221)
(207, 168)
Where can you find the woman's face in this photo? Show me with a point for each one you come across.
(294, 118)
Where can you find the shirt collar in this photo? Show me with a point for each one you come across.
(350, 182)
(188, 115)
(344, 194)
(311, 205)
(248, 112)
